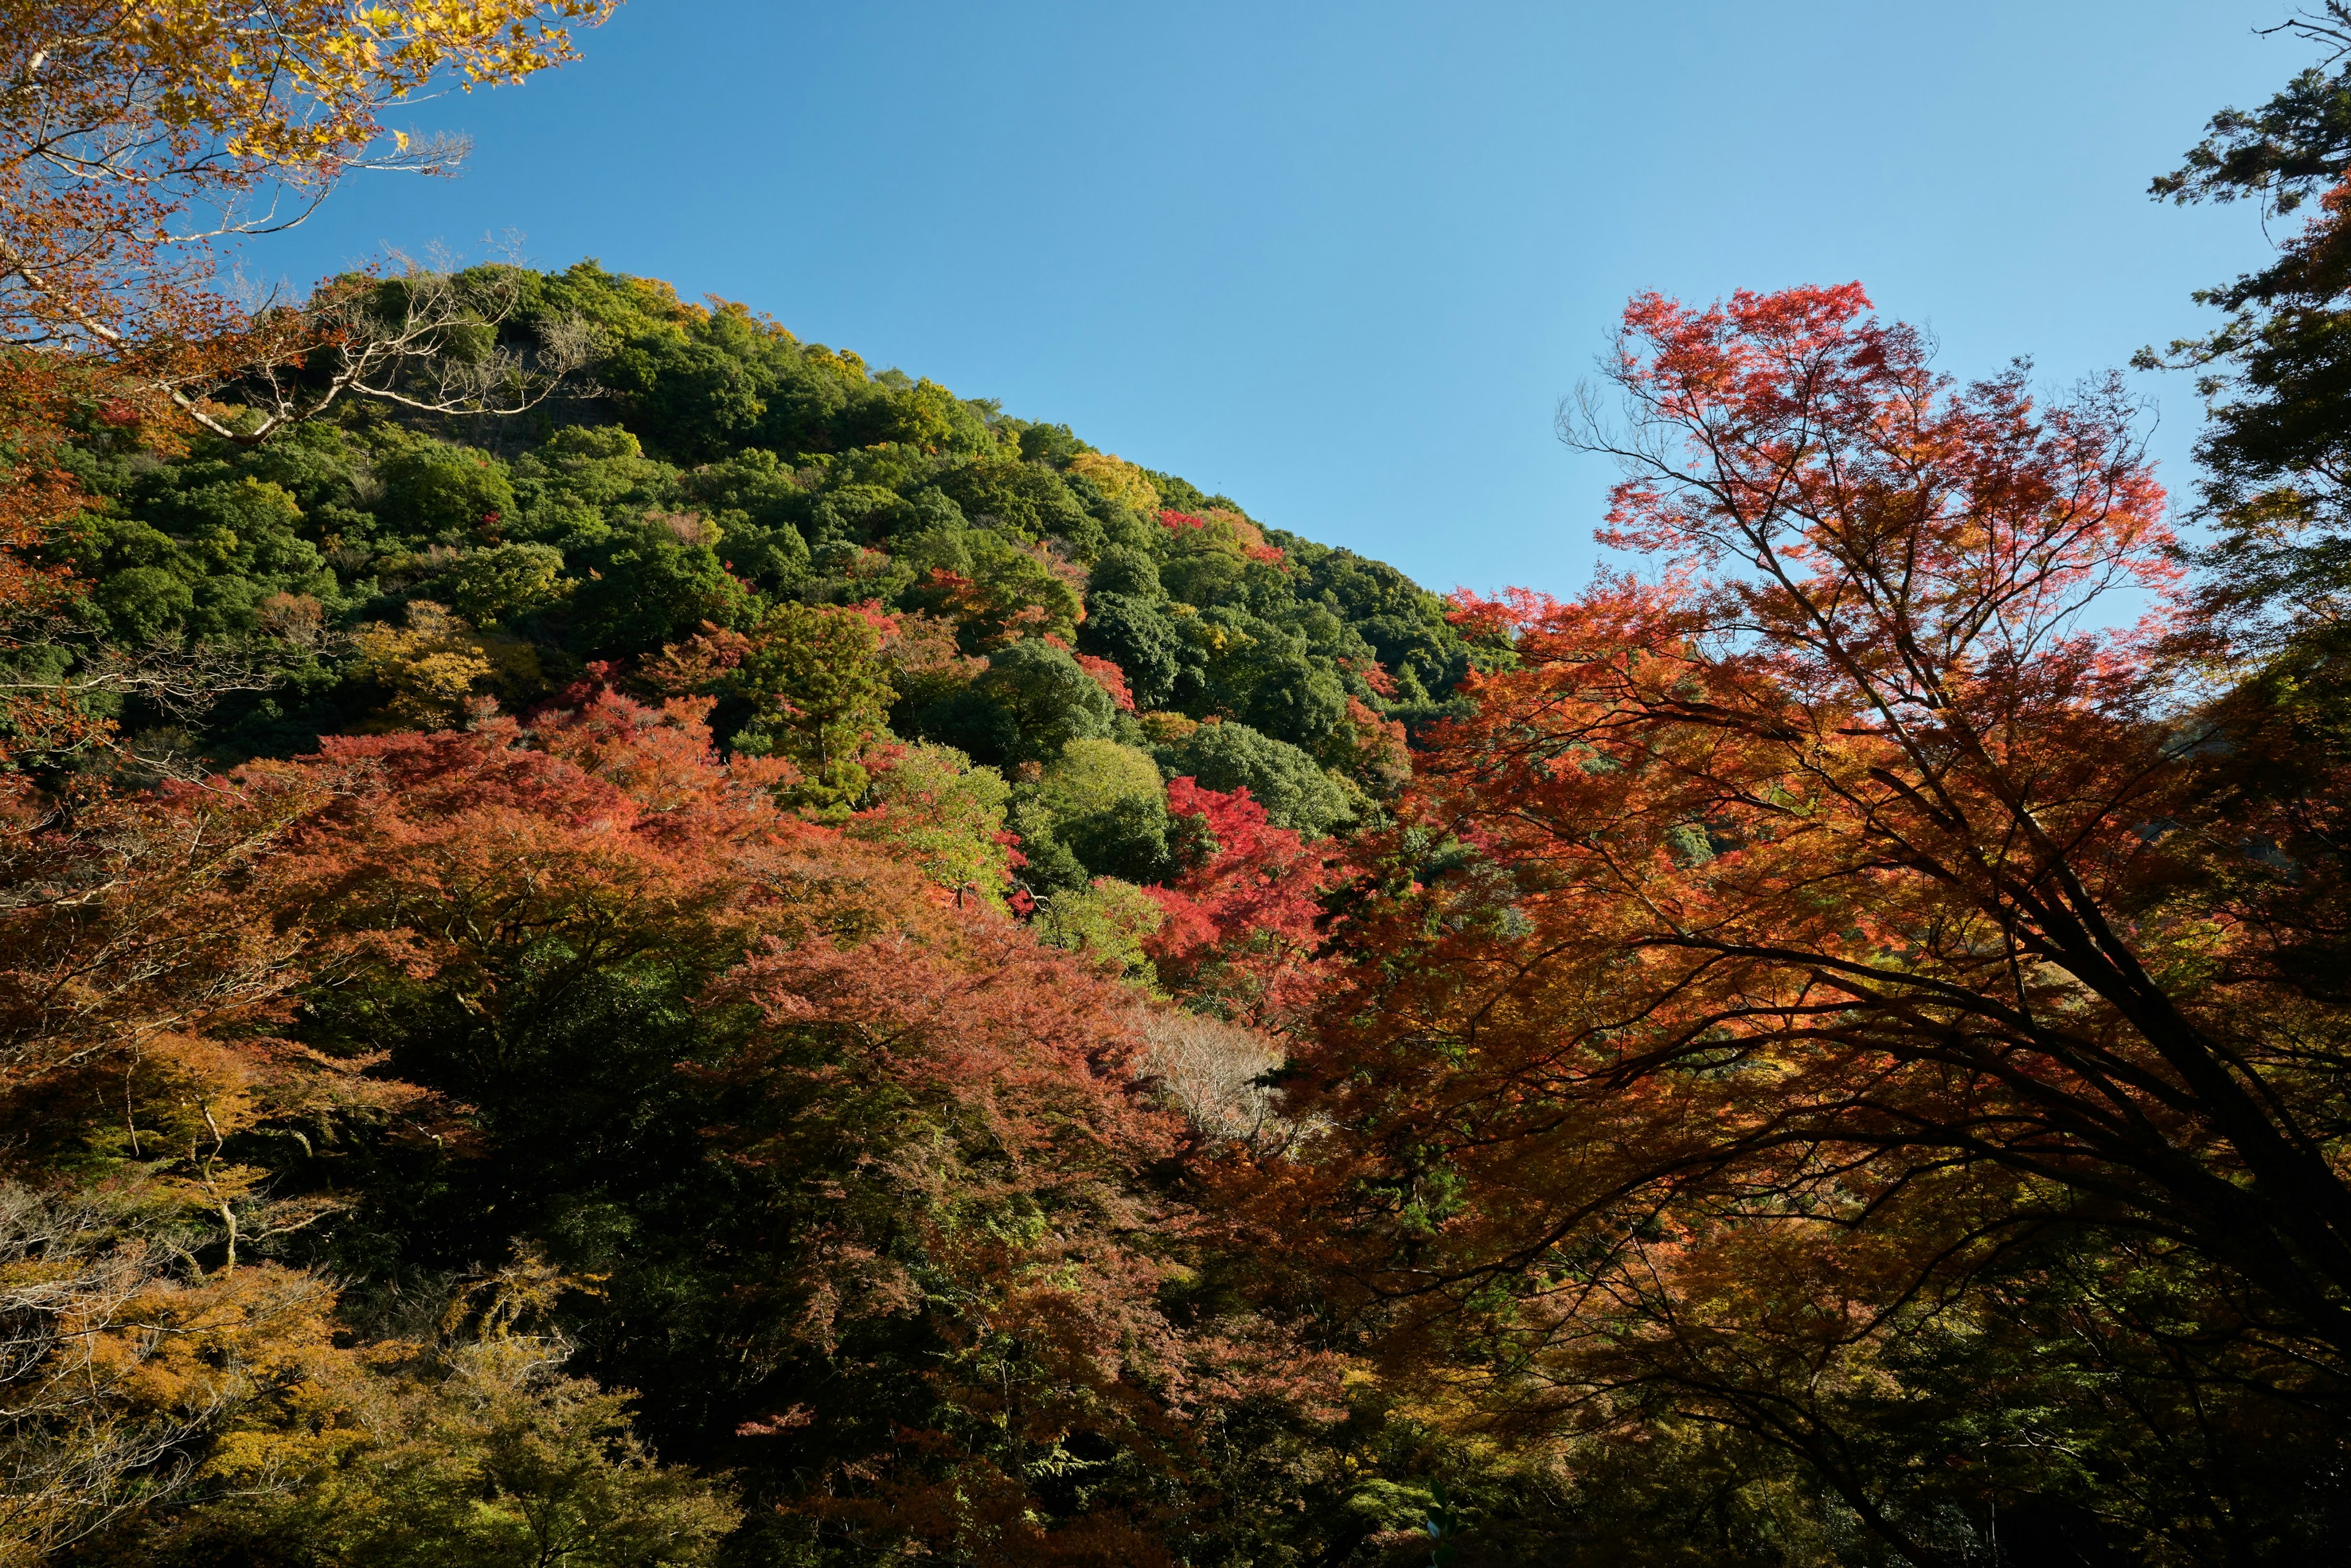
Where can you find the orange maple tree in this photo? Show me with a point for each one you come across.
(1833, 920)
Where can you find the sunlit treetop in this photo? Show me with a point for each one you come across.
(117, 119)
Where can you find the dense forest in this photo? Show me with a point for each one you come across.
(625, 941)
(851, 564)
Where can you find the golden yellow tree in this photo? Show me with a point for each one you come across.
(134, 135)
(1120, 480)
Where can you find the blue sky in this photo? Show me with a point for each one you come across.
(1341, 260)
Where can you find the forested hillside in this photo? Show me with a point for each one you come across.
(719, 507)
(627, 943)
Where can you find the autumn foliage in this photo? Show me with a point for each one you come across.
(1846, 938)
(1243, 921)
(926, 1124)
(785, 967)
(131, 136)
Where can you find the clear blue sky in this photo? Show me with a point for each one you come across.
(1340, 260)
